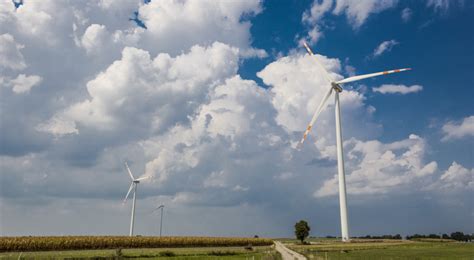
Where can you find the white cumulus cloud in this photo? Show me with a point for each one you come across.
(178, 25)
(456, 178)
(452, 130)
(95, 37)
(375, 167)
(397, 89)
(138, 91)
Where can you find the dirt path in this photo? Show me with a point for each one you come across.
(286, 253)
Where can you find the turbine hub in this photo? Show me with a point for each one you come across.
(336, 87)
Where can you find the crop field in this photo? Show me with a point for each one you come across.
(257, 253)
(9, 244)
(385, 249)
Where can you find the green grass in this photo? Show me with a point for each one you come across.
(386, 249)
(258, 253)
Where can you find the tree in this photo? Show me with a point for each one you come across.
(459, 236)
(302, 230)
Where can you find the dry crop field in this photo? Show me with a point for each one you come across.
(19, 244)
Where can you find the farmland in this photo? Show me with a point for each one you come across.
(114, 242)
(226, 248)
(384, 249)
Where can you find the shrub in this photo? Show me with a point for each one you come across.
(222, 253)
(167, 253)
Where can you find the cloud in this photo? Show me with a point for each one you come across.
(397, 89)
(385, 46)
(406, 14)
(137, 88)
(377, 168)
(58, 127)
(317, 11)
(455, 179)
(23, 84)
(297, 87)
(452, 130)
(187, 23)
(10, 54)
(357, 12)
(34, 19)
(312, 18)
(94, 38)
(64, 43)
(438, 5)
(313, 36)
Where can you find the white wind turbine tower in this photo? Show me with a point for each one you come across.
(336, 87)
(133, 186)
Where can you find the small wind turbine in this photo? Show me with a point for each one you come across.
(133, 186)
(161, 218)
(336, 87)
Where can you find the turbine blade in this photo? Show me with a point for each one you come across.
(325, 72)
(320, 108)
(129, 172)
(359, 77)
(143, 178)
(128, 193)
(161, 206)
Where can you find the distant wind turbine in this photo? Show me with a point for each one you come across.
(161, 218)
(133, 186)
(335, 86)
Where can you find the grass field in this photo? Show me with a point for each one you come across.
(258, 253)
(385, 249)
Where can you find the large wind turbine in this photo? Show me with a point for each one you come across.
(133, 186)
(335, 86)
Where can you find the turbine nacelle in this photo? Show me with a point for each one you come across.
(336, 87)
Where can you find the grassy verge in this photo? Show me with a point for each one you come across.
(258, 253)
(386, 249)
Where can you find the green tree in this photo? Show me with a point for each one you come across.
(302, 230)
(459, 236)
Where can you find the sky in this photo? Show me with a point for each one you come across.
(208, 100)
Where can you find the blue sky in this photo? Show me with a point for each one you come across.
(209, 99)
